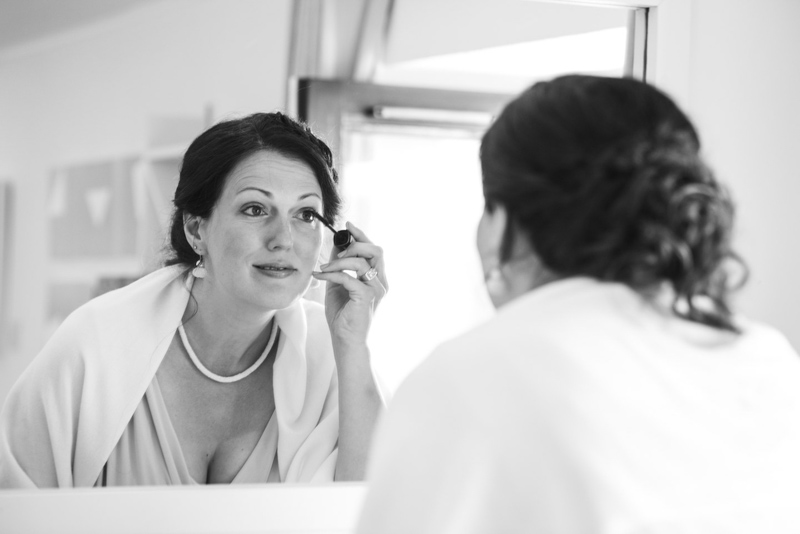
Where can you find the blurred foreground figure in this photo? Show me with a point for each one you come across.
(615, 391)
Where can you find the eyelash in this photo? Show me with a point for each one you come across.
(310, 213)
(247, 208)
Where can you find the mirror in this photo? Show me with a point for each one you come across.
(99, 106)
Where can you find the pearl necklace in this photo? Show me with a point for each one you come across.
(228, 379)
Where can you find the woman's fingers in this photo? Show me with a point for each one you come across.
(356, 264)
(362, 250)
(365, 275)
(362, 247)
(357, 232)
(353, 286)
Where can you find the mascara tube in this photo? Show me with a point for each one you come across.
(341, 238)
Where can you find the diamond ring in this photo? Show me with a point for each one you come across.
(369, 275)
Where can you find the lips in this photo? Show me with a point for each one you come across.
(275, 267)
(279, 270)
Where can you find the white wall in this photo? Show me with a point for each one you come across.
(745, 100)
(94, 93)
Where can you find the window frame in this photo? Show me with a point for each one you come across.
(656, 28)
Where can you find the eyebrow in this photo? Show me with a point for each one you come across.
(270, 195)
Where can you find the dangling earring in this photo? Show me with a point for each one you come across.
(199, 270)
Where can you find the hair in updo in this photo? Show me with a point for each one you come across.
(213, 155)
(604, 178)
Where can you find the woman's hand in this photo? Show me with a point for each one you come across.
(350, 301)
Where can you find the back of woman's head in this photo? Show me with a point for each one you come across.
(603, 177)
(213, 155)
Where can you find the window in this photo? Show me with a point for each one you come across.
(407, 144)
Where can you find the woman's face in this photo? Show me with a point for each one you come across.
(261, 240)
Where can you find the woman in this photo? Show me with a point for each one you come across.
(213, 369)
(614, 390)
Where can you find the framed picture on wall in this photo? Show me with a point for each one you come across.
(91, 211)
(107, 225)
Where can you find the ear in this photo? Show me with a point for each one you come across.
(193, 228)
(491, 229)
(501, 238)
(496, 226)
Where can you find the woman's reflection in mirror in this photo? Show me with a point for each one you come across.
(214, 369)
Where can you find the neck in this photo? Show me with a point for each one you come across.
(522, 275)
(225, 337)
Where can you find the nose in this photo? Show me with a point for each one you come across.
(279, 236)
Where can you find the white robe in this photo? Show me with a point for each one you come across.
(69, 408)
(582, 408)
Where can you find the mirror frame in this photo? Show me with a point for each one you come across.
(233, 509)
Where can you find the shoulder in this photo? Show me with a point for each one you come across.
(516, 366)
(545, 344)
(106, 320)
(147, 288)
(766, 340)
(548, 319)
(153, 297)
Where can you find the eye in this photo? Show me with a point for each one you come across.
(254, 210)
(308, 216)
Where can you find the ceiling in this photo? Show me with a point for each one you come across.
(22, 21)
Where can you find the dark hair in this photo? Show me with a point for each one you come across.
(213, 155)
(604, 178)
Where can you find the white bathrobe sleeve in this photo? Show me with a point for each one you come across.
(39, 419)
(66, 412)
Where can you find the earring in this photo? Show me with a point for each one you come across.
(199, 270)
(495, 283)
(494, 280)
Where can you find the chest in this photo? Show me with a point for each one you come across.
(218, 425)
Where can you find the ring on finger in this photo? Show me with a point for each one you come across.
(369, 275)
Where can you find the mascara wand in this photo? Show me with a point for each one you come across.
(341, 238)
